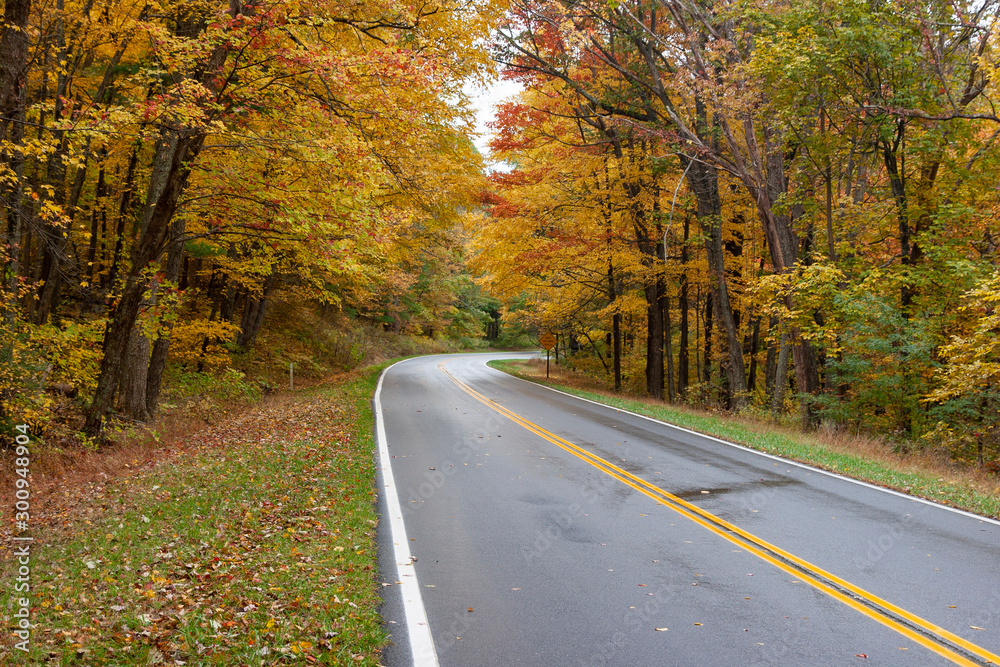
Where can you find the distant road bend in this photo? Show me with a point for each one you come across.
(523, 526)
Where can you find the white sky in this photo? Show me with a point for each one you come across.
(485, 100)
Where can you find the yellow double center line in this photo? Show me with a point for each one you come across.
(925, 633)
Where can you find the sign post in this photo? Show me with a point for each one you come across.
(548, 341)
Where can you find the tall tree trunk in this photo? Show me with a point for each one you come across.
(54, 234)
(186, 145)
(683, 374)
(616, 326)
(654, 341)
(770, 363)
(14, 45)
(254, 310)
(13, 230)
(668, 348)
(705, 184)
(135, 372)
(124, 207)
(709, 322)
(664, 307)
(780, 376)
(132, 390)
(158, 357)
(754, 348)
(97, 217)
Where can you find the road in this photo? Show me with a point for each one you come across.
(545, 530)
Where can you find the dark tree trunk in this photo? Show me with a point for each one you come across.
(770, 362)
(253, 313)
(664, 308)
(57, 242)
(780, 376)
(683, 374)
(148, 249)
(704, 183)
(55, 237)
(897, 181)
(668, 348)
(654, 341)
(124, 207)
(754, 348)
(14, 45)
(158, 358)
(616, 328)
(97, 217)
(708, 322)
(132, 391)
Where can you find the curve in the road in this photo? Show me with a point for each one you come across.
(937, 639)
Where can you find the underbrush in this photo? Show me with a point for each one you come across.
(320, 345)
(52, 373)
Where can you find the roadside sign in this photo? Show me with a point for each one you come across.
(547, 340)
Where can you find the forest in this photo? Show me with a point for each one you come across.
(168, 168)
(772, 207)
(775, 207)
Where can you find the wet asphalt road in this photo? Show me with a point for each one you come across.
(561, 564)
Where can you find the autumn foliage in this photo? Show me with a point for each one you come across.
(168, 168)
(771, 207)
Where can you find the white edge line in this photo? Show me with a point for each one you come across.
(418, 627)
(765, 454)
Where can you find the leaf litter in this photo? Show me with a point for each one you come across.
(254, 545)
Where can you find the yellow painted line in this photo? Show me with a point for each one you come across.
(805, 570)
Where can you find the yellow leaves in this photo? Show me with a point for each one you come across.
(200, 341)
(972, 358)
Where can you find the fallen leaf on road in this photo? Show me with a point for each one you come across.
(976, 627)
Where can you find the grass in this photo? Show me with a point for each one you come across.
(255, 545)
(858, 458)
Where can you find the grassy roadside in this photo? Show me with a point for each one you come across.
(255, 546)
(887, 471)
